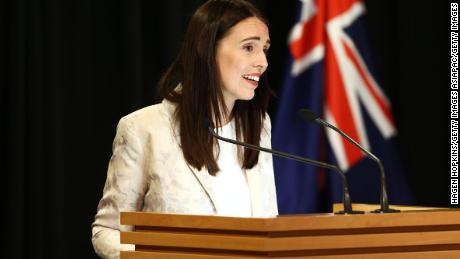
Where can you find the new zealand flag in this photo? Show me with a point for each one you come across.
(330, 73)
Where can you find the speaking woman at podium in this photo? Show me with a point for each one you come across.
(165, 159)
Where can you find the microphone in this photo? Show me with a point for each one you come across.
(345, 195)
(308, 115)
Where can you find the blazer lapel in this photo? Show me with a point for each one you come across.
(254, 184)
(204, 179)
(202, 175)
(255, 190)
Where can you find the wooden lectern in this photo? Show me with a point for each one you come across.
(411, 234)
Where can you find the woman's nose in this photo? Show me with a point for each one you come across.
(261, 61)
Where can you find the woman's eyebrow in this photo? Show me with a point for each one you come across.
(251, 38)
(255, 38)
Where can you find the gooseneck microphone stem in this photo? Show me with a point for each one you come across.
(384, 204)
(346, 195)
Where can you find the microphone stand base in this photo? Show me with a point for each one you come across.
(389, 210)
(342, 212)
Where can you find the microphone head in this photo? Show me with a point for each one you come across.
(308, 115)
(207, 124)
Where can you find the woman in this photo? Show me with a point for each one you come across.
(164, 159)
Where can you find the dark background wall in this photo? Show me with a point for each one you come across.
(71, 69)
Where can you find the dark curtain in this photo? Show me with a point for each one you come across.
(411, 43)
(71, 69)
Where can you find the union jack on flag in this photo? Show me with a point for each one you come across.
(330, 72)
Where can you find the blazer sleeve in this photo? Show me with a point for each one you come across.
(124, 190)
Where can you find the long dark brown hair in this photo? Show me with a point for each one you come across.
(199, 99)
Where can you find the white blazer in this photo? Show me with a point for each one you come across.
(147, 172)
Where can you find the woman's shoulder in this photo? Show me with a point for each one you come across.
(267, 122)
(267, 118)
(163, 109)
(149, 117)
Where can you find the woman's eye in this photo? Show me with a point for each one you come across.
(248, 48)
(266, 51)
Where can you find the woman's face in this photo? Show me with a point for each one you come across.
(241, 59)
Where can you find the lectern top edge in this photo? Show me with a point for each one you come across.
(293, 222)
